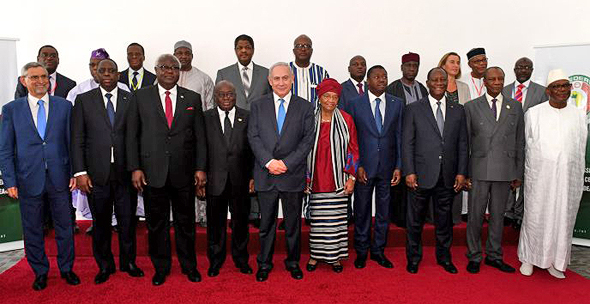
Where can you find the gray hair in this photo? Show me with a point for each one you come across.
(166, 57)
(25, 70)
(278, 64)
(224, 83)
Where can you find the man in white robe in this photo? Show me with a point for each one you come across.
(555, 133)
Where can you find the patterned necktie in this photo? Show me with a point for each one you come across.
(227, 129)
(360, 85)
(378, 120)
(440, 120)
(41, 119)
(134, 81)
(169, 113)
(494, 109)
(51, 88)
(518, 94)
(246, 81)
(281, 116)
(110, 108)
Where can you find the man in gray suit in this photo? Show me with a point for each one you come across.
(495, 124)
(529, 94)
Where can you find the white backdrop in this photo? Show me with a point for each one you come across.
(380, 30)
(8, 68)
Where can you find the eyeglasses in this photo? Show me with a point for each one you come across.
(523, 67)
(481, 60)
(37, 77)
(303, 46)
(168, 68)
(226, 95)
(556, 87)
(46, 55)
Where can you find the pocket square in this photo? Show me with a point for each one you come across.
(190, 109)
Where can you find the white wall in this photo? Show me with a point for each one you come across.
(380, 30)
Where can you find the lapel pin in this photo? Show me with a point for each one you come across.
(181, 96)
(507, 106)
(239, 119)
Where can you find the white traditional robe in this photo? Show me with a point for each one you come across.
(553, 183)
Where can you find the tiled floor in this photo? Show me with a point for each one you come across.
(580, 262)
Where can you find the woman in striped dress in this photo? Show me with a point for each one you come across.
(331, 166)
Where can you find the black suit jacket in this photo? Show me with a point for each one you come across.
(64, 85)
(396, 89)
(93, 136)
(349, 93)
(424, 149)
(148, 78)
(292, 146)
(234, 161)
(160, 151)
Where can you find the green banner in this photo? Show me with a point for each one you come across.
(10, 222)
(581, 97)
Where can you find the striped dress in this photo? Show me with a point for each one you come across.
(306, 80)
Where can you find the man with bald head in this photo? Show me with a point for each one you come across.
(495, 124)
(356, 84)
(230, 179)
(306, 75)
(167, 155)
(98, 163)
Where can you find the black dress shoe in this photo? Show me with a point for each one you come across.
(76, 228)
(448, 267)
(412, 268)
(262, 274)
(337, 268)
(103, 276)
(245, 269)
(70, 277)
(132, 270)
(473, 267)
(500, 265)
(255, 223)
(40, 282)
(159, 279)
(360, 261)
(382, 260)
(213, 272)
(195, 276)
(516, 224)
(311, 267)
(296, 272)
(116, 229)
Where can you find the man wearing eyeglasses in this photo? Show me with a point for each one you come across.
(59, 85)
(478, 62)
(554, 178)
(529, 94)
(307, 75)
(167, 155)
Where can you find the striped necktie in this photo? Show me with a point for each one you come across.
(246, 81)
(518, 94)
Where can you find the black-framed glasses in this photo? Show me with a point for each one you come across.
(48, 55)
(303, 46)
(168, 68)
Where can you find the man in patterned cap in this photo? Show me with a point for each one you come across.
(478, 62)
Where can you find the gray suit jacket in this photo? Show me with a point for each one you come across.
(464, 95)
(258, 84)
(534, 96)
(497, 147)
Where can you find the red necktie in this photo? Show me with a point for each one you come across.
(360, 85)
(169, 114)
(518, 94)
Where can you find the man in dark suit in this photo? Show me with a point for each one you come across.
(35, 165)
(280, 147)
(136, 76)
(230, 179)
(529, 94)
(495, 124)
(167, 155)
(59, 85)
(435, 160)
(98, 162)
(356, 85)
(378, 119)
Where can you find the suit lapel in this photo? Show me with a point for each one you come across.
(180, 106)
(239, 125)
(217, 127)
(26, 110)
(291, 108)
(449, 116)
(158, 105)
(51, 118)
(99, 107)
(268, 109)
(388, 117)
(366, 107)
(255, 75)
(121, 107)
(484, 107)
(238, 80)
(427, 109)
(506, 110)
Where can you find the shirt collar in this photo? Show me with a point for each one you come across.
(373, 97)
(53, 76)
(139, 72)
(433, 101)
(222, 112)
(276, 97)
(499, 98)
(33, 100)
(250, 66)
(356, 83)
(526, 84)
(113, 92)
(162, 91)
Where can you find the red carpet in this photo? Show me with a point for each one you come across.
(372, 284)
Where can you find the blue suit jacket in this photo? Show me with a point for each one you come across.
(380, 154)
(24, 156)
(349, 92)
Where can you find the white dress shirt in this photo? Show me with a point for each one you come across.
(374, 103)
(250, 67)
(434, 106)
(356, 85)
(499, 100)
(231, 115)
(35, 107)
(140, 73)
(88, 85)
(287, 99)
(173, 93)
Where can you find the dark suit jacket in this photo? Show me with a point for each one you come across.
(234, 161)
(162, 152)
(349, 92)
(292, 146)
(64, 85)
(93, 136)
(259, 85)
(497, 147)
(148, 78)
(534, 96)
(24, 156)
(424, 149)
(380, 154)
(396, 89)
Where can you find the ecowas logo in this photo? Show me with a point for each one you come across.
(580, 92)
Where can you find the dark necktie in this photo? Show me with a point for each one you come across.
(360, 85)
(110, 109)
(227, 129)
(169, 112)
(440, 120)
(378, 120)
(134, 81)
(494, 109)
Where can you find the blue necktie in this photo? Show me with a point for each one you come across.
(41, 120)
(110, 109)
(281, 116)
(378, 120)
